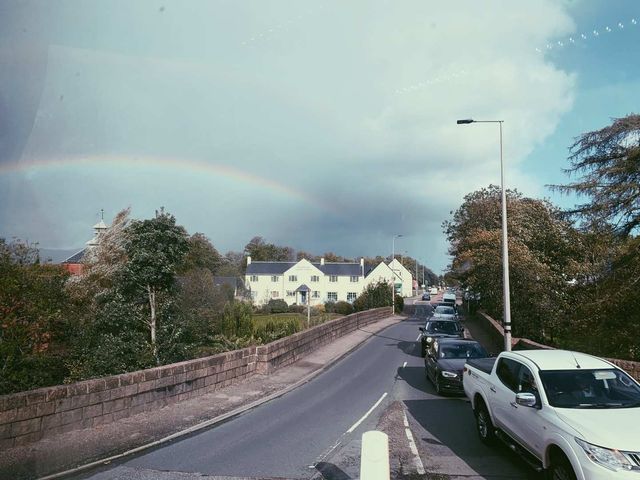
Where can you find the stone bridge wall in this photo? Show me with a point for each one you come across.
(26, 417)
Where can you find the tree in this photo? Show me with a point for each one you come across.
(201, 254)
(258, 249)
(374, 295)
(608, 161)
(544, 251)
(155, 248)
(32, 319)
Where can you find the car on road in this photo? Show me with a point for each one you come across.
(433, 290)
(426, 296)
(572, 415)
(449, 297)
(435, 328)
(445, 361)
(445, 312)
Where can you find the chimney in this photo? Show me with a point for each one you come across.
(248, 260)
(322, 261)
(362, 266)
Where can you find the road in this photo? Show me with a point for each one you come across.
(315, 430)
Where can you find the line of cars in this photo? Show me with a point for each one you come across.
(570, 415)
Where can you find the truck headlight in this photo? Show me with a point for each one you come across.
(446, 374)
(429, 339)
(607, 457)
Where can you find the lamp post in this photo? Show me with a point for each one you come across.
(393, 274)
(505, 245)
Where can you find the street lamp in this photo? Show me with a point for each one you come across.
(393, 275)
(505, 245)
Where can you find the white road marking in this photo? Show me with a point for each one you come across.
(418, 337)
(412, 445)
(355, 425)
(404, 364)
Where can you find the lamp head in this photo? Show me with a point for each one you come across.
(464, 121)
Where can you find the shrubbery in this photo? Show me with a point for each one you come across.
(374, 296)
(343, 308)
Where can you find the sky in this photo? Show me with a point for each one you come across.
(321, 125)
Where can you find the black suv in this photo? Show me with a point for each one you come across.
(439, 329)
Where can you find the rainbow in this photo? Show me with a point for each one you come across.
(34, 166)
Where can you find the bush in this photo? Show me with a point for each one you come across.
(374, 296)
(297, 309)
(330, 307)
(273, 329)
(343, 308)
(278, 306)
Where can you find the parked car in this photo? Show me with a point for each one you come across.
(573, 415)
(426, 296)
(438, 329)
(445, 360)
(445, 312)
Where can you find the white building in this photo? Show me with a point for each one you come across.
(324, 281)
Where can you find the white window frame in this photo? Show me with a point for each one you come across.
(293, 278)
(355, 279)
(332, 296)
(254, 278)
(275, 294)
(316, 294)
(351, 296)
(333, 278)
(315, 278)
(274, 278)
(291, 293)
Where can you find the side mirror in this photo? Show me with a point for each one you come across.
(421, 329)
(526, 399)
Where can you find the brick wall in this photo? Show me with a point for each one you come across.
(632, 368)
(26, 417)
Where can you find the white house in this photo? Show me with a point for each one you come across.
(324, 281)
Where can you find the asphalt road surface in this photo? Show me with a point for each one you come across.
(315, 431)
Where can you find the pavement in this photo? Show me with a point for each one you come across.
(78, 451)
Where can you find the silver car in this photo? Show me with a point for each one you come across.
(443, 312)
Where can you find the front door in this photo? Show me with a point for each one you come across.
(303, 298)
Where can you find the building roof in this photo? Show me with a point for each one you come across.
(340, 269)
(76, 257)
(269, 268)
(303, 288)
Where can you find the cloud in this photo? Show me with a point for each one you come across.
(352, 103)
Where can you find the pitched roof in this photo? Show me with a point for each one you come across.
(340, 269)
(303, 288)
(76, 257)
(269, 268)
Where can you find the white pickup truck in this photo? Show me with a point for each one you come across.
(572, 415)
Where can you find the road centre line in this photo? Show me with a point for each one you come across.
(412, 445)
(355, 425)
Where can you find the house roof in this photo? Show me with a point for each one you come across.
(76, 257)
(269, 268)
(340, 269)
(303, 288)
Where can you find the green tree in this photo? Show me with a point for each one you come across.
(33, 331)
(608, 164)
(200, 254)
(155, 248)
(544, 251)
(374, 295)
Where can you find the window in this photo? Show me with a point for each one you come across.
(333, 278)
(316, 294)
(274, 278)
(507, 371)
(293, 278)
(351, 296)
(354, 279)
(291, 293)
(315, 278)
(254, 278)
(332, 296)
(526, 381)
(275, 294)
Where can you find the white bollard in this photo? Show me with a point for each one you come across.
(374, 458)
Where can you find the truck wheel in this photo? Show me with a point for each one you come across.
(484, 425)
(560, 468)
